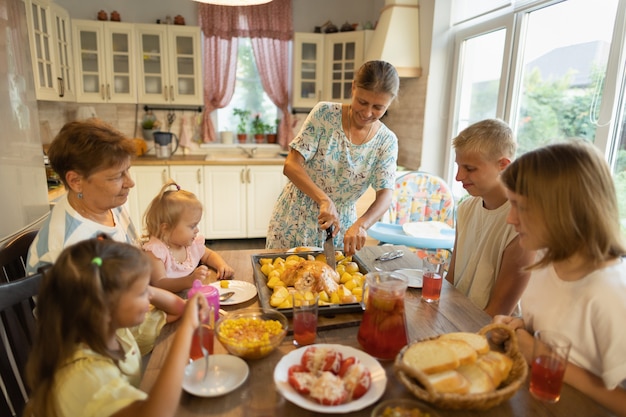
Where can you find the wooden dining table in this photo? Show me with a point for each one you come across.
(258, 395)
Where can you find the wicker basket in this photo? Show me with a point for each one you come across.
(417, 382)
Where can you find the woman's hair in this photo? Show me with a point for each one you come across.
(75, 303)
(569, 189)
(167, 208)
(490, 138)
(87, 147)
(378, 77)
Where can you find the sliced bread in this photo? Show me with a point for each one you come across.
(463, 351)
(477, 341)
(479, 381)
(430, 356)
(496, 365)
(449, 381)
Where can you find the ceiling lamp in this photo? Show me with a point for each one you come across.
(234, 2)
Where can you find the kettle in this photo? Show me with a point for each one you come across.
(163, 143)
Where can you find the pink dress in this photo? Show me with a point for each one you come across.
(173, 268)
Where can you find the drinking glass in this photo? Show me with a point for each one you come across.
(304, 319)
(550, 353)
(432, 279)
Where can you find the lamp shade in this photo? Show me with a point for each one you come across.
(234, 2)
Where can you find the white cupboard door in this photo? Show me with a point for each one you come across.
(225, 196)
(154, 78)
(119, 52)
(62, 37)
(89, 56)
(185, 68)
(308, 67)
(148, 182)
(344, 56)
(265, 182)
(191, 178)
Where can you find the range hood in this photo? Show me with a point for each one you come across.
(396, 37)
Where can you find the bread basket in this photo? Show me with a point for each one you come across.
(417, 382)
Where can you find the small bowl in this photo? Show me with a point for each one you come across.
(245, 334)
(403, 404)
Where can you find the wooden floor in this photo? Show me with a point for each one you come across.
(235, 244)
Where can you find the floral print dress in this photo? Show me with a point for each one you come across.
(343, 170)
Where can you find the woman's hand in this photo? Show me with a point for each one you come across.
(328, 216)
(354, 239)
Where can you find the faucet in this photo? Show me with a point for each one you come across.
(248, 151)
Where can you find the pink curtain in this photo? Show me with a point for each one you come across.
(270, 26)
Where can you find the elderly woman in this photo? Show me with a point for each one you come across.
(93, 160)
(340, 151)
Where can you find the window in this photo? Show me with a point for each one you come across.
(560, 76)
(249, 93)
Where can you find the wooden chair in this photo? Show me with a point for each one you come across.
(17, 330)
(13, 256)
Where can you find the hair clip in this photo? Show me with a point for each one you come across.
(97, 261)
(177, 187)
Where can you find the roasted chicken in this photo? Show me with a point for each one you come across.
(312, 276)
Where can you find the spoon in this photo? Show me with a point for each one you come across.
(225, 296)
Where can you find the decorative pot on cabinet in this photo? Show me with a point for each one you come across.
(259, 137)
(242, 137)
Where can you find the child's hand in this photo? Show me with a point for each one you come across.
(499, 336)
(196, 310)
(201, 273)
(224, 271)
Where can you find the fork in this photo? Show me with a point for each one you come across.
(205, 351)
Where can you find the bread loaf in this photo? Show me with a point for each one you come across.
(430, 357)
(478, 379)
(477, 341)
(449, 381)
(460, 363)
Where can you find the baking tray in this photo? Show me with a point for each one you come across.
(265, 292)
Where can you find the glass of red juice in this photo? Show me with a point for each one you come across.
(382, 332)
(432, 279)
(304, 319)
(207, 341)
(550, 354)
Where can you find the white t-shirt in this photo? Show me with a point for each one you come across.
(589, 311)
(482, 237)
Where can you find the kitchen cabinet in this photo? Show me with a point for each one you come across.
(170, 69)
(104, 56)
(325, 65)
(240, 199)
(148, 182)
(50, 41)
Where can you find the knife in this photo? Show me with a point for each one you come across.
(329, 248)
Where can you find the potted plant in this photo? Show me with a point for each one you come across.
(259, 128)
(272, 136)
(149, 125)
(242, 126)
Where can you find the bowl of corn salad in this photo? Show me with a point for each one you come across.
(251, 333)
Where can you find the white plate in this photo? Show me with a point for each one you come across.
(305, 249)
(379, 381)
(226, 373)
(414, 276)
(243, 290)
(430, 229)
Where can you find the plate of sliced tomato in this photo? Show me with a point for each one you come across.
(351, 378)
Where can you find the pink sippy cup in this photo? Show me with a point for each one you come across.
(211, 294)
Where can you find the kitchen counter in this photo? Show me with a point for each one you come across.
(208, 159)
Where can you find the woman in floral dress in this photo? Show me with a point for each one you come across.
(340, 151)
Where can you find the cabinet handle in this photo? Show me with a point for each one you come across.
(102, 91)
(109, 91)
(165, 92)
(199, 176)
(248, 175)
(61, 86)
(163, 176)
(172, 92)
